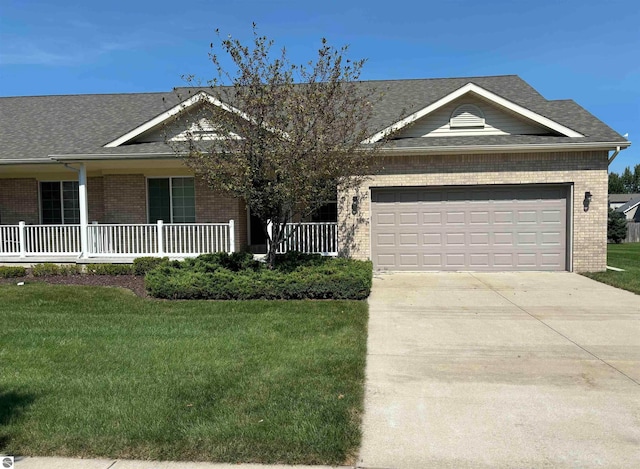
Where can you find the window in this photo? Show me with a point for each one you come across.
(171, 200)
(59, 203)
(326, 213)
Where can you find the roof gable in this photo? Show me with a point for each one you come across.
(471, 115)
(154, 124)
(474, 89)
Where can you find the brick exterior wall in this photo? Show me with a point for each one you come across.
(125, 198)
(19, 201)
(214, 207)
(587, 171)
(95, 198)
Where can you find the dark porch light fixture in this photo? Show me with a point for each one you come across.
(587, 200)
(354, 206)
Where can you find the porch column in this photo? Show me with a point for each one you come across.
(84, 212)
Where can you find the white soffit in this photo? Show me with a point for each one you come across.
(488, 95)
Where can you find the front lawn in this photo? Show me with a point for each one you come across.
(90, 371)
(623, 256)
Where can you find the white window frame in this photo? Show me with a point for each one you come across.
(170, 178)
(61, 182)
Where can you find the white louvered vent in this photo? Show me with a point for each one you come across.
(466, 116)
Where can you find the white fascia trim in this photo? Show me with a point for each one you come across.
(113, 156)
(198, 97)
(465, 149)
(473, 88)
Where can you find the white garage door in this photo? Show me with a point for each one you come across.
(488, 228)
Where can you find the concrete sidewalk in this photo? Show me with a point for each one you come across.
(73, 463)
(507, 370)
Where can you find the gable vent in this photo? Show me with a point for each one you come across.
(466, 116)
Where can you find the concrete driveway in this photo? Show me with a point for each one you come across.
(518, 370)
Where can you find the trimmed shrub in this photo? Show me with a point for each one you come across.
(142, 265)
(41, 270)
(10, 271)
(295, 277)
(109, 269)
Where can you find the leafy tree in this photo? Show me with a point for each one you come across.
(287, 135)
(615, 184)
(627, 183)
(616, 226)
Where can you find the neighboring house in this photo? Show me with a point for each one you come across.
(480, 174)
(618, 200)
(630, 209)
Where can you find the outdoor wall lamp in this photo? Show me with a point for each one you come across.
(587, 200)
(354, 205)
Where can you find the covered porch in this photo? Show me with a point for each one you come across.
(124, 242)
(108, 211)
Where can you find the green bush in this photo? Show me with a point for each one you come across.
(616, 226)
(109, 269)
(237, 276)
(7, 271)
(142, 265)
(41, 270)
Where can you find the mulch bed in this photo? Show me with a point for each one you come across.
(131, 282)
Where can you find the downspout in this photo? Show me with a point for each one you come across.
(613, 157)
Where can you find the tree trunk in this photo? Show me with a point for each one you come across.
(274, 236)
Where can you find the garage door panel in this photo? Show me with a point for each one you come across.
(550, 238)
(503, 260)
(517, 228)
(552, 217)
(386, 239)
(527, 216)
(479, 260)
(479, 218)
(479, 239)
(385, 218)
(432, 218)
(408, 260)
(455, 218)
(432, 261)
(408, 239)
(503, 239)
(432, 239)
(455, 260)
(408, 218)
(455, 239)
(503, 217)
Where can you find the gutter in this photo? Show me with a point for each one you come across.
(112, 156)
(523, 148)
(464, 149)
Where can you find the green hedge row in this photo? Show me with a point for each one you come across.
(8, 271)
(41, 270)
(238, 276)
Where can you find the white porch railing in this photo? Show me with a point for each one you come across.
(315, 238)
(111, 240)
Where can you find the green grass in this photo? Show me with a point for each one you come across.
(624, 256)
(90, 371)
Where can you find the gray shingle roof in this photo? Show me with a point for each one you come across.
(622, 198)
(629, 205)
(35, 127)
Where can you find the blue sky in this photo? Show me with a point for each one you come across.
(583, 50)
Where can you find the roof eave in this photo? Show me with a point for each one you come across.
(112, 156)
(512, 148)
